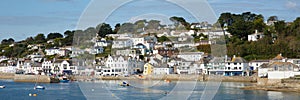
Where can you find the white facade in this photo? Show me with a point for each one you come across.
(122, 43)
(101, 43)
(162, 70)
(47, 65)
(256, 63)
(191, 56)
(138, 40)
(255, 36)
(61, 66)
(294, 61)
(127, 52)
(282, 74)
(184, 44)
(117, 65)
(53, 51)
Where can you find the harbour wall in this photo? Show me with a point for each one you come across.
(175, 77)
(7, 75)
(32, 78)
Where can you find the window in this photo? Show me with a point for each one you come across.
(65, 66)
(240, 68)
(234, 63)
(235, 68)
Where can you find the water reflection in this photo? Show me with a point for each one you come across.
(161, 90)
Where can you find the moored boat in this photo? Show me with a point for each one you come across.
(64, 79)
(124, 84)
(39, 87)
(2, 86)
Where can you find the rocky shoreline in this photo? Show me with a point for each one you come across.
(283, 85)
(272, 88)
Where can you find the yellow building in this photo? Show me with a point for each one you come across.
(148, 68)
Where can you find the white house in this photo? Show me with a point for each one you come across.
(254, 64)
(216, 66)
(163, 69)
(63, 67)
(116, 65)
(256, 36)
(101, 43)
(137, 40)
(46, 66)
(53, 51)
(278, 70)
(294, 61)
(127, 52)
(122, 43)
(191, 56)
(238, 66)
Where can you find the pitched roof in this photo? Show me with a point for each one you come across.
(278, 57)
(281, 66)
(238, 60)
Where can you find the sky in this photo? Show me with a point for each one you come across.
(20, 19)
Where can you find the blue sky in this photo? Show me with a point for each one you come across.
(23, 18)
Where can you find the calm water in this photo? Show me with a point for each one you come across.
(142, 90)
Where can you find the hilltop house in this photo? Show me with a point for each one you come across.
(127, 52)
(60, 52)
(101, 43)
(122, 43)
(256, 36)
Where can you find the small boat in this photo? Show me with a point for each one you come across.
(2, 86)
(64, 80)
(124, 84)
(168, 81)
(39, 87)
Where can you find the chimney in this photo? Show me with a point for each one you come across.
(233, 56)
(256, 31)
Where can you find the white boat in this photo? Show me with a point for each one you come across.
(39, 87)
(2, 86)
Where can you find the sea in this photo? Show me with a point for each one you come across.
(138, 90)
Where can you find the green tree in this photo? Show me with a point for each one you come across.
(241, 29)
(104, 29)
(54, 36)
(40, 38)
(163, 39)
(180, 21)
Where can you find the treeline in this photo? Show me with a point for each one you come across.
(279, 37)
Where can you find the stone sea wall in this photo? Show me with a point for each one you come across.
(32, 78)
(7, 75)
(174, 77)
